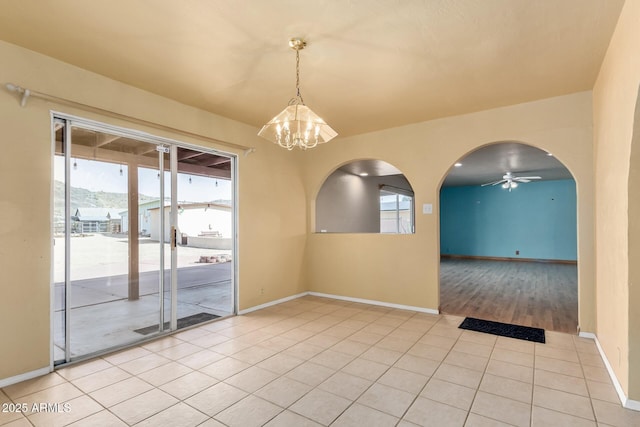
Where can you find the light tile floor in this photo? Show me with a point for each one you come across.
(315, 361)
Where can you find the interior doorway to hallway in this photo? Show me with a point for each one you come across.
(143, 237)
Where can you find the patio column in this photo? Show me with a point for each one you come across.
(134, 233)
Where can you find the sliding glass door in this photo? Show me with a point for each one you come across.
(204, 230)
(128, 263)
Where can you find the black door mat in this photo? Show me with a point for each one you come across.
(194, 319)
(504, 329)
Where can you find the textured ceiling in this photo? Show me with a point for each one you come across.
(371, 167)
(368, 65)
(487, 164)
(490, 163)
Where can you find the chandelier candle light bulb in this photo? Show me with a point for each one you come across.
(297, 125)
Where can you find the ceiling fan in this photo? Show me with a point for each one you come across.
(510, 181)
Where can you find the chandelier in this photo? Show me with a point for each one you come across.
(297, 125)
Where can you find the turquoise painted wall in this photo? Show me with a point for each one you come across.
(538, 219)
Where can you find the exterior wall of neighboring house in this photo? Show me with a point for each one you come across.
(396, 218)
(124, 217)
(144, 220)
(154, 223)
(200, 225)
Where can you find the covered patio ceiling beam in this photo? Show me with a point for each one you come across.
(203, 171)
(146, 150)
(103, 139)
(218, 161)
(189, 154)
(90, 153)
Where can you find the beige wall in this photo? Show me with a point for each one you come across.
(272, 223)
(403, 269)
(614, 102)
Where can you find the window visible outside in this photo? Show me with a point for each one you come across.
(396, 212)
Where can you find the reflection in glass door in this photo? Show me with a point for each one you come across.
(118, 276)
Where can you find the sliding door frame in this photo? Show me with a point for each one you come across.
(162, 144)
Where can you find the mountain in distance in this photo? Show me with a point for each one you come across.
(83, 198)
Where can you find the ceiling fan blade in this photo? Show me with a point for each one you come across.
(527, 177)
(522, 180)
(493, 183)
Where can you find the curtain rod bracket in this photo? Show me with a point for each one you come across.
(25, 93)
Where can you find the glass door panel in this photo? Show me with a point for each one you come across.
(204, 232)
(113, 280)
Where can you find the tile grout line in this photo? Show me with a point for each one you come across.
(533, 382)
(586, 384)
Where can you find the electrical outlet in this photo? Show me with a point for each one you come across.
(261, 291)
(517, 252)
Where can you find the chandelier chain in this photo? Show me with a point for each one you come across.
(298, 94)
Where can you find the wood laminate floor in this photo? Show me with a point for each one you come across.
(542, 295)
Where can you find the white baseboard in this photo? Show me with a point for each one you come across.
(23, 377)
(342, 298)
(374, 302)
(271, 303)
(626, 402)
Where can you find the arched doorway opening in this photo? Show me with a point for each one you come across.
(508, 238)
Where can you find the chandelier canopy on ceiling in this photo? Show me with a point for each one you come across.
(297, 125)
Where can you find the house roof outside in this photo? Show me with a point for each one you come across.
(97, 214)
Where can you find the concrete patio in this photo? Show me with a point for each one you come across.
(102, 316)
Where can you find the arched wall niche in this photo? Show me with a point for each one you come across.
(364, 196)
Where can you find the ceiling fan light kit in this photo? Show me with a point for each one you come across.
(509, 181)
(297, 125)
